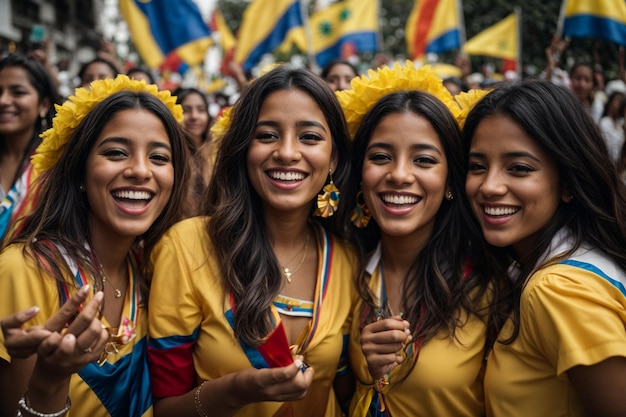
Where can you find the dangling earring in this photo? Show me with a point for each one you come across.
(450, 196)
(44, 121)
(360, 214)
(327, 201)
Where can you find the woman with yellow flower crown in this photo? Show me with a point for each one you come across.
(73, 283)
(262, 286)
(418, 335)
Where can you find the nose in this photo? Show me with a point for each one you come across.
(343, 85)
(4, 97)
(138, 169)
(400, 172)
(287, 149)
(493, 184)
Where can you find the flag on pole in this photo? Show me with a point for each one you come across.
(264, 26)
(499, 40)
(601, 19)
(433, 26)
(218, 24)
(343, 28)
(161, 27)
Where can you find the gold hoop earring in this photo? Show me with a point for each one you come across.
(328, 199)
(360, 214)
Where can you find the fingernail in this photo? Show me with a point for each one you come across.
(33, 310)
(298, 363)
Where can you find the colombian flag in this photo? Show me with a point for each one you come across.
(264, 26)
(161, 27)
(433, 26)
(601, 19)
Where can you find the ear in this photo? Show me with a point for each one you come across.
(44, 106)
(566, 195)
(334, 160)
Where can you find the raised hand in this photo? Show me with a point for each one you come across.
(382, 343)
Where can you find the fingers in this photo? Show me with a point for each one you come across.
(67, 311)
(86, 316)
(17, 320)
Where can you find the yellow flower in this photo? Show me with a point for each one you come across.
(466, 102)
(368, 89)
(73, 111)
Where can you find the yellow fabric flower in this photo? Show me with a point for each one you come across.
(76, 107)
(368, 89)
(467, 101)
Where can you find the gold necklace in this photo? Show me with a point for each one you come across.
(286, 272)
(116, 291)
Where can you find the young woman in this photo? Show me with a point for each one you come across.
(27, 98)
(553, 207)
(338, 73)
(196, 123)
(259, 279)
(109, 190)
(416, 342)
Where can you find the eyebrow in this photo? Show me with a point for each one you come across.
(508, 155)
(128, 142)
(302, 123)
(414, 147)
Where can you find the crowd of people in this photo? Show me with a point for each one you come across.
(333, 244)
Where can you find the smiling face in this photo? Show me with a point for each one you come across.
(290, 155)
(512, 185)
(196, 117)
(129, 175)
(404, 175)
(19, 103)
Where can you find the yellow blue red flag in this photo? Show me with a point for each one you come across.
(264, 26)
(161, 27)
(346, 25)
(601, 19)
(433, 26)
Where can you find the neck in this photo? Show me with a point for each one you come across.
(289, 231)
(15, 146)
(399, 252)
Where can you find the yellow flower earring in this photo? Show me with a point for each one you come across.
(328, 200)
(360, 215)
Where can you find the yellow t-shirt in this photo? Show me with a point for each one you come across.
(121, 386)
(446, 380)
(572, 313)
(191, 337)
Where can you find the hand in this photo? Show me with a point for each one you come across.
(288, 383)
(65, 353)
(382, 343)
(22, 343)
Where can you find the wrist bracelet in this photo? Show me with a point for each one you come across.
(196, 400)
(26, 407)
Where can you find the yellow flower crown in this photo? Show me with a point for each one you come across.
(75, 108)
(368, 89)
(466, 102)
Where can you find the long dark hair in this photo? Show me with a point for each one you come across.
(237, 227)
(41, 81)
(559, 123)
(434, 289)
(62, 212)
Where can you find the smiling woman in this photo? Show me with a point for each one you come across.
(108, 192)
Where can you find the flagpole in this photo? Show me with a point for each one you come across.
(559, 23)
(518, 62)
(461, 17)
(308, 35)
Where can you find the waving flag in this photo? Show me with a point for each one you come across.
(499, 40)
(264, 26)
(161, 27)
(347, 25)
(601, 19)
(434, 26)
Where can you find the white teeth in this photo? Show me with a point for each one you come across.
(133, 195)
(500, 211)
(399, 199)
(287, 176)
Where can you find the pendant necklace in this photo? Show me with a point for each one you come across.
(285, 270)
(116, 291)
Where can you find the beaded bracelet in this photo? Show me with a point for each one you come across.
(196, 400)
(29, 410)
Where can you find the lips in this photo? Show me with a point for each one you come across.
(287, 176)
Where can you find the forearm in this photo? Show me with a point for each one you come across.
(14, 382)
(217, 397)
(47, 393)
